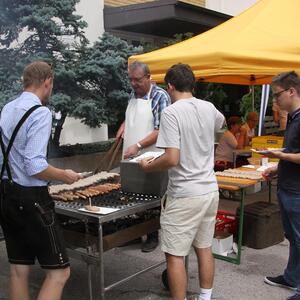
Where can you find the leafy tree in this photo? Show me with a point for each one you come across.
(103, 73)
(89, 83)
(246, 103)
(212, 92)
(32, 30)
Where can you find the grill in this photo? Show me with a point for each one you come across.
(115, 199)
(88, 235)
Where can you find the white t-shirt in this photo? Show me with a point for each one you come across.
(227, 144)
(190, 125)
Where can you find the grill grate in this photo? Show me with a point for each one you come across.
(114, 199)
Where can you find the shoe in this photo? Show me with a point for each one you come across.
(150, 245)
(279, 281)
(294, 297)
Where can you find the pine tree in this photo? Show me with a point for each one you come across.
(89, 82)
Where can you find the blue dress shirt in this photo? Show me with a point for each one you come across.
(28, 154)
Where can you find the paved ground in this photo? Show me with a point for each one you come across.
(231, 281)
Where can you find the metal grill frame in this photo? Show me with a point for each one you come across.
(92, 258)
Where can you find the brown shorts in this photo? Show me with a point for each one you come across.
(30, 226)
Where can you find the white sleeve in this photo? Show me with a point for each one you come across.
(219, 121)
(168, 136)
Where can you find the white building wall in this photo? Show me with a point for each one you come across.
(230, 7)
(92, 13)
(75, 132)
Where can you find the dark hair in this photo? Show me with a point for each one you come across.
(36, 73)
(181, 77)
(233, 121)
(287, 80)
(136, 64)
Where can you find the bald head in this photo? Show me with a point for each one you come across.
(252, 119)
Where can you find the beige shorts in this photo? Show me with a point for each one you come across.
(188, 221)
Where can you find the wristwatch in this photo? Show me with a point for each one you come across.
(139, 145)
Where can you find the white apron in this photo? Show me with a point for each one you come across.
(138, 123)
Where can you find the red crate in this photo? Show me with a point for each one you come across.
(226, 222)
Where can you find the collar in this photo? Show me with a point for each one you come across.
(33, 97)
(148, 95)
(294, 114)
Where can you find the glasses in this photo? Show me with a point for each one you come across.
(277, 95)
(138, 80)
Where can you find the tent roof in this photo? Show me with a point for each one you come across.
(248, 49)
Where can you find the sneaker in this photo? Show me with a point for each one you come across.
(294, 297)
(279, 281)
(150, 245)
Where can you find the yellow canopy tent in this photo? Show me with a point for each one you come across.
(247, 49)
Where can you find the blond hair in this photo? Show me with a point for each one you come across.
(36, 73)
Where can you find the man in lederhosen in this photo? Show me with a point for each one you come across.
(142, 119)
(27, 215)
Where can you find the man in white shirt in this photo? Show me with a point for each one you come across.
(190, 205)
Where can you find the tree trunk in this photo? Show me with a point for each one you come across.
(58, 129)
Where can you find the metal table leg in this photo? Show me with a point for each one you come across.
(101, 264)
(270, 191)
(88, 263)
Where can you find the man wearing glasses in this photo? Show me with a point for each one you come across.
(142, 119)
(286, 92)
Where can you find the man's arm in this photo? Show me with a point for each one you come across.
(292, 157)
(149, 140)
(269, 173)
(242, 139)
(168, 160)
(52, 173)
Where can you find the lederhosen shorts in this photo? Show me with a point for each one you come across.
(30, 226)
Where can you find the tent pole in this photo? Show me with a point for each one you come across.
(253, 97)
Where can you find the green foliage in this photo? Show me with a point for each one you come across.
(79, 149)
(179, 37)
(212, 92)
(103, 77)
(32, 30)
(246, 103)
(90, 83)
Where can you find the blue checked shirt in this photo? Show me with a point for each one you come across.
(28, 154)
(160, 100)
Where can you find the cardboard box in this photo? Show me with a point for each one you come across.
(222, 243)
(253, 189)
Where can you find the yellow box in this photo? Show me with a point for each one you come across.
(267, 141)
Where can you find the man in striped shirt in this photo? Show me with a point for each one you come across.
(142, 119)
